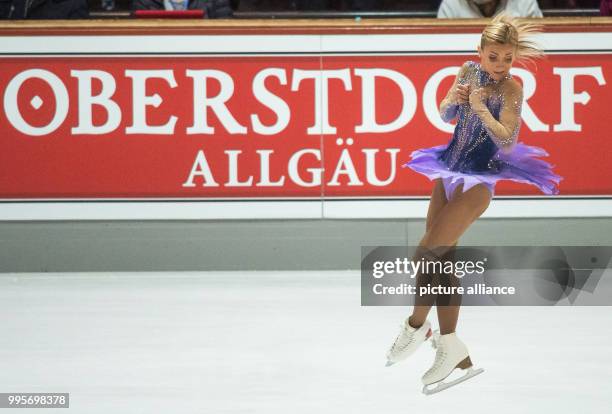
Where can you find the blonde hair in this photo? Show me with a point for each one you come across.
(507, 29)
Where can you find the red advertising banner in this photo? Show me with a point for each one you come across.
(280, 126)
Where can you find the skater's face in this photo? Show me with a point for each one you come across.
(496, 59)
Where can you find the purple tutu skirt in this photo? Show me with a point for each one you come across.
(520, 165)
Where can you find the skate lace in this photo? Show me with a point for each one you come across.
(440, 352)
(404, 338)
(440, 358)
(435, 339)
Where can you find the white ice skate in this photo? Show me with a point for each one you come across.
(407, 341)
(451, 353)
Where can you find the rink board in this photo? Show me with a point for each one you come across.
(70, 175)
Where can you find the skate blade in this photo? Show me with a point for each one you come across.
(471, 372)
(389, 363)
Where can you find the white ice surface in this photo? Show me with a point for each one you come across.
(280, 342)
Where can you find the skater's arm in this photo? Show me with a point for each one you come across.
(505, 131)
(455, 96)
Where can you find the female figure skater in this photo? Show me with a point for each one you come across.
(486, 101)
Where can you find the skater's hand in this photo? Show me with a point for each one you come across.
(476, 98)
(461, 94)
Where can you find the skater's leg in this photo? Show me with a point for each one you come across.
(409, 339)
(448, 306)
(436, 203)
(423, 304)
(447, 318)
(451, 222)
(456, 216)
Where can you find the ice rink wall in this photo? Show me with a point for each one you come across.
(252, 145)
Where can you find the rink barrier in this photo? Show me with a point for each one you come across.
(48, 187)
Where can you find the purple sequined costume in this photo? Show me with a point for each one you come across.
(472, 157)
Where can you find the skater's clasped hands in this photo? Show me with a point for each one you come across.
(476, 99)
(462, 93)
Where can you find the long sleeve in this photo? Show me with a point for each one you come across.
(448, 111)
(448, 106)
(443, 11)
(505, 131)
(532, 9)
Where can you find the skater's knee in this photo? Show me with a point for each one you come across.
(431, 244)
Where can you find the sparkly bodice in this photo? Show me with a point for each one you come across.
(471, 148)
